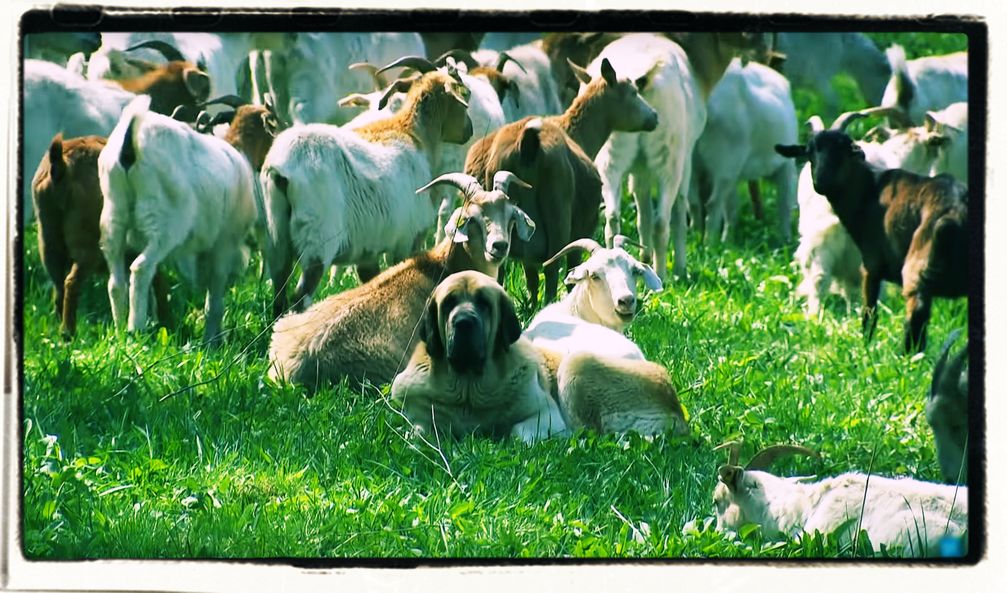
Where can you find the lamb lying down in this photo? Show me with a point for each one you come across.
(909, 515)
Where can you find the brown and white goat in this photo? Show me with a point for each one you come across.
(910, 229)
(555, 155)
(68, 200)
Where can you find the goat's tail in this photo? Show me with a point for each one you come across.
(277, 210)
(904, 88)
(530, 143)
(57, 166)
(124, 134)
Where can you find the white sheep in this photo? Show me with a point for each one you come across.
(346, 196)
(594, 314)
(171, 191)
(924, 84)
(749, 111)
(911, 515)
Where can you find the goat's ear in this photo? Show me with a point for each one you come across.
(354, 100)
(650, 278)
(857, 152)
(430, 333)
(579, 72)
(608, 72)
(641, 83)
(508, 327)
(523, 223)
(936, 140)
(456, 227)
(730, 475)
(792, 151)
(576, 275)
(197, 82)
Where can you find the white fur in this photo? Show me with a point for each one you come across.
(187, 195)
(537, 93)
(665, 153)
(748, 112)
(908, 513)
(58, 100)
(937, 81)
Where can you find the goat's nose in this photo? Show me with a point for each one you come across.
(499, 247)
(627, 302)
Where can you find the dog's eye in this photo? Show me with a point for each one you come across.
(448, 303)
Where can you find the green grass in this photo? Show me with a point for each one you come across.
(152, 446)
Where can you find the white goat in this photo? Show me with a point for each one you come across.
(902, 513)
(665, 153)
(828, 259)
(749, 111)
(813, 59)
(311, 70)
(924, 84)
(594, 314)
(534, 83)
(171, 191)
(346, 196)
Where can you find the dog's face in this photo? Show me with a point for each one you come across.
(469, 320)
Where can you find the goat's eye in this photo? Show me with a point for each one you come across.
(595, 276)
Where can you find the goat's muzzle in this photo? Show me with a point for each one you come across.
(650, 124)
(625, 307)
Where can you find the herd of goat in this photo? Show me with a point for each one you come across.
(320, 150)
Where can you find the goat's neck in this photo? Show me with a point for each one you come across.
(578, 304)
(862, 186)
(585, 122)
(708, 57)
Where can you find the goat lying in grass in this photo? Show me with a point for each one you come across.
(910, 229)
(599, 307)
(902, 513)
(369, 331)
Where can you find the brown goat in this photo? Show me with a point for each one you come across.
(910, 229)
(554, 154)
(173, 84)
(68, 199)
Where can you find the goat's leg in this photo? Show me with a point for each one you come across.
(612, 174)
(141, 276)
(161, 289)
(71, 295)
(214, 307)
(914, 289)
(551, 281)
(113, 247)
(531, 280)
(871, 290)
(755, 194)
(917, 316)
(716, 219)
(785, 179)
(639, 187)
(311, 275)
(819, 281)
(53, 252)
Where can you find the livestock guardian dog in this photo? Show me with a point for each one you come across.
(472, 373)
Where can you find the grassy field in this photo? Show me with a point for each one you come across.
(153, 446)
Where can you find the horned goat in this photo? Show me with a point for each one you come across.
(555, 154)
(911, 230)
(528, 75)
(368, 332)
(749, 111)
(906, 514)
(947, 411)
(598, 309)
(171, 191)
(345, 196)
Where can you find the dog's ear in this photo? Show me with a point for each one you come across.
(508, 327)
(430, 332)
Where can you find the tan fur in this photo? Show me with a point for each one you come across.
(511, 387)
(249, 135)
(167, 86)
(428, 100)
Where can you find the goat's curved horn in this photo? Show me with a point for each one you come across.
(939, 382)
(167, 50)
(849, 117)
(468, 184)
(733, 451)
(203, 122)
(185, 113)
(763, 458)
(588, 245)
(418, 63)
(229, 100)
(372, 70)
(815, 124)
(502, 60)
(401, 85)
(503, 179)
(459, 55)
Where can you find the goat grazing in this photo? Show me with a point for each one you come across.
(902, 513)
(947, 411)
(172, 191)
(599, 307)
(924, 84)
(910, 230)
(554, 154)
(345, 196)
(368, 332)
(749, 111)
